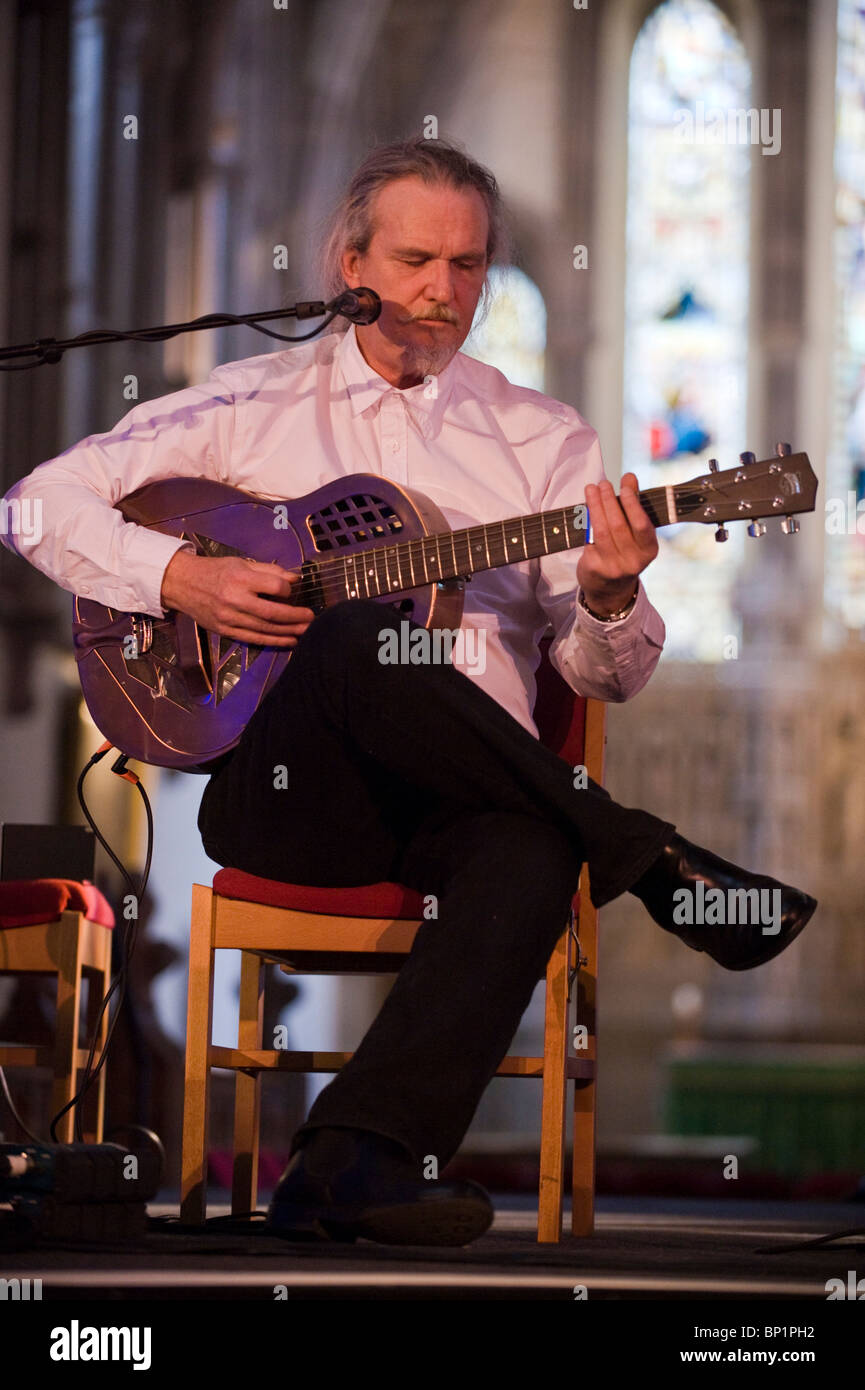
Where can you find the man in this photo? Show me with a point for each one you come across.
(432, 775)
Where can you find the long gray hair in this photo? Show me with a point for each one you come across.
(350, 227)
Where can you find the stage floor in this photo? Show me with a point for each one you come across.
(650, 1248)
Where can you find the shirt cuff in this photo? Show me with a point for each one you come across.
(628, 649)
(148, 554)
(632, 619)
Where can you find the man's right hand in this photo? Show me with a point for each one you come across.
(242, 599)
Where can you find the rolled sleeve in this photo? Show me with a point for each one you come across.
(611, 661)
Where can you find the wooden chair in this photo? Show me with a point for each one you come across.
(58, 927)
(368, 930)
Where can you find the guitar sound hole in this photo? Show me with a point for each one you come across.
(352, 520)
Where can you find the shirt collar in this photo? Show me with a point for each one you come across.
(365, 387)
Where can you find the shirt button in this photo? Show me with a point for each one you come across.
(394, 446)
(84, 588)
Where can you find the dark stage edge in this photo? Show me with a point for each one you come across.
(652, 1249)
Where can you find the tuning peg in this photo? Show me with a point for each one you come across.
(757, 529)
(782, 450)
(748, 457)
(790, 525)
(722, 534)
(713, 465)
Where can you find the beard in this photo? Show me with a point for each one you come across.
(430, 359)
(427, 361)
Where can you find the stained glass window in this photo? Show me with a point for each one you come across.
(845, 481)
(511, 331)
(690, 140)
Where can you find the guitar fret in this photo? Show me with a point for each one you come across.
(561, 539)
(475, 545)
(431, 559)
(437, 558)
(512, 541)
(378, 558)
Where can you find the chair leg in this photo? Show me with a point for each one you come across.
(247, 1087)
(583, 1190)
(99, 979)
(196, 1086)
(554, 1084)
(585, 1093)
(102, 982)
(68, 1018)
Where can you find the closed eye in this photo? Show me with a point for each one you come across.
(462, 262)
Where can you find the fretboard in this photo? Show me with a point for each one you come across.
(402, 565)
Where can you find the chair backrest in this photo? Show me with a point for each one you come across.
(559, 713)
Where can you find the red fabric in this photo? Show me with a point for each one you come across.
(559, 714)
(25, 902)
(369, 900)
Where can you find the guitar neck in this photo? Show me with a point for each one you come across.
(454, 554)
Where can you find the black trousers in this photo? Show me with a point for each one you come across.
(414, 774)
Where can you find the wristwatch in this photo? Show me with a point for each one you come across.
(610, 617)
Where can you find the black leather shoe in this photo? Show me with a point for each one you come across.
(348, 1183)
(736, 930)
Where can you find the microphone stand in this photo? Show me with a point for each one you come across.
(350, 304)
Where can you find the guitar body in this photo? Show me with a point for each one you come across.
(169, 692)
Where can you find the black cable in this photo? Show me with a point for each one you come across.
(812, 1241)
(127, 939)
(127, 942)
(50, 350)
(7, 1095)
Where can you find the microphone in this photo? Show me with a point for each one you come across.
(358, 306)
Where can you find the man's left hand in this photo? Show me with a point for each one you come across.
(624, 543)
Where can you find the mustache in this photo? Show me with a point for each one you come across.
(439, 313)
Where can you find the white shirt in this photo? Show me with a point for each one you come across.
(282, 424)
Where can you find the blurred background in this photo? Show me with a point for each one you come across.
(693, 293)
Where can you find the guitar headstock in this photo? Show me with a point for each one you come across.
(753, 491)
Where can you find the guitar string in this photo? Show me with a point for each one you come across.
(401, 550)
(686, 495)
(333, 577)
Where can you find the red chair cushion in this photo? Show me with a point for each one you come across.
(369, 900)
(25, 902)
